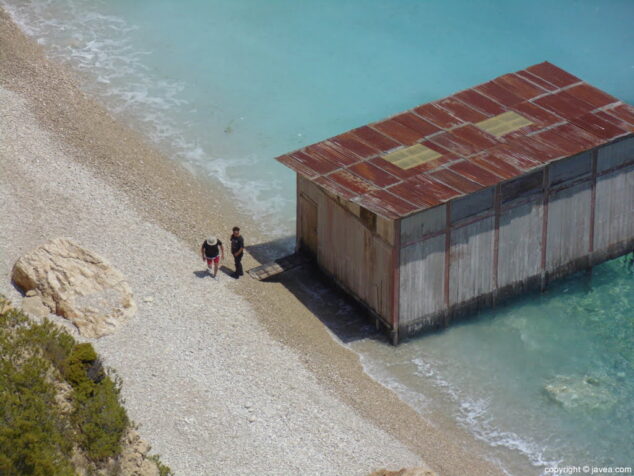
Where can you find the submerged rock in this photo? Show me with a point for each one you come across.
(587, 392)
(77, 284)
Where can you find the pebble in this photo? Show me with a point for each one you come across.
(187, 399)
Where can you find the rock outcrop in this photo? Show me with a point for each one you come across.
(135, 457)
(77, 284)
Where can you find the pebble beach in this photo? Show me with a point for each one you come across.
(222, 376)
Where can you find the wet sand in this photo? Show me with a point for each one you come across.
(166, 195)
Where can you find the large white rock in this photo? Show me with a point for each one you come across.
(77, 284)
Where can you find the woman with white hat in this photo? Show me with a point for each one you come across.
(212, 251)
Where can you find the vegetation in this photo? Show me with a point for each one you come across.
(55, 399)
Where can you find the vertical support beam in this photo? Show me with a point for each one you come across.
(593, 201)
(496, 238)
(544, 239)
(396, 280)
(447, 258)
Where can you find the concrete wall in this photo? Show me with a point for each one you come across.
(478, 249)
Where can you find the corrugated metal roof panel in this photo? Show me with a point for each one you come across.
(598, 126)
(592, 95)
(547, 123)
(429, 190)
(398, 132)
(476, 136)
(352, 182)
(375, 139)
(297, 166)
(539, 115)
(318, 164)
(514, 155)
(499, 94)
(497, 165)
(461, 110)
(482, 103)
(374, 174)
(474, 172)
(520, 86)
(418, 193)
(385, 204)
(623, 111)
(554, 75)
(539, 151)
(416, 123)
(437, 190)
(455, 143)
(336, 188)
(323, 151)
(564, 104)
(537, 80)
(438, 116)
(359, 148)
(569, 138)
(617, 121)
(456, 181)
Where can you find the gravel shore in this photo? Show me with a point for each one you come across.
(223, 376)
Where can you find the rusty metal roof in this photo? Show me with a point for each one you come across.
(474, 139)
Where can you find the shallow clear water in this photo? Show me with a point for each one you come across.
(550, 375)
(227, 85)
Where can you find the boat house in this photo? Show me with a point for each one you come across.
(452, 205)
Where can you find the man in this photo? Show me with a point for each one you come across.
(237, 250)
(212, 251)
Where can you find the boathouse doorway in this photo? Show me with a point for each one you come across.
(308, 225)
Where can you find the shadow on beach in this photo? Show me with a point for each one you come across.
(339, 312)
(271, 250)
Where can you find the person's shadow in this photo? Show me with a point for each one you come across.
(203, 273)
(227, 271)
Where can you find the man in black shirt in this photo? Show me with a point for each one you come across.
(212, 251)
(237, 250)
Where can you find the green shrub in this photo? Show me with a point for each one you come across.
(100, 418)
(36, 438)
(163, 470)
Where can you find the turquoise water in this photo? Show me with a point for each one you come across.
(224, 86)
(227, 85)
(550, 375)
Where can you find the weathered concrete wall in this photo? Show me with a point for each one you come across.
(479, 249)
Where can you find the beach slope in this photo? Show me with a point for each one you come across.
(223, 377)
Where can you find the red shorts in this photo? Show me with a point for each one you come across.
(210, 261)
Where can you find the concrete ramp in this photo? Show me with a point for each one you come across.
(278, 266)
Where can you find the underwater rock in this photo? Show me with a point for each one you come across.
(587, 392)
